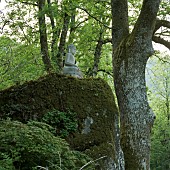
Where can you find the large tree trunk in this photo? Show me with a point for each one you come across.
(136, 117)
(43, 36)
(130, 54)
(120, 29)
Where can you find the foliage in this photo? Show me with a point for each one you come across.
(18, 62)
(6, 162)
(160, 149)
(64, 122)
(22, 24)
(159, 96)
(26, 146)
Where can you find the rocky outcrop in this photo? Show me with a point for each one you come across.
(91, 99)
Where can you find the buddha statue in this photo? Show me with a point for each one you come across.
(70, 67)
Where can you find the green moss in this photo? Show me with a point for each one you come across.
(87, 97)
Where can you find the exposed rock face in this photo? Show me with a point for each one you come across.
(91, 99)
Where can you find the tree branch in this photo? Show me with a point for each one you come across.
(29, 3)
(43, 36)
(85, 10)
(161, 23)
(107, 72)
(97, 55)
(145, 24)
(162, 59)
(120, 25)
(86, 19)
(161, 41)
(92, 162)
(62, 41)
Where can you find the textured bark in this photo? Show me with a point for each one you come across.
(97, 55)
(62, 41)
(72, 26)
(130, 54)
(136, 117)
(120, 29)
(43, 36)
(55, 33)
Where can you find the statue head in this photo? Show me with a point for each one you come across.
(71, 49)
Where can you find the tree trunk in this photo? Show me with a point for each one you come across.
(130, 54)
(97, 55)
(55, 33)
(167, 96)
(136, 117)
(120, 29)
(62, 41)
(72, 26)
(43, 36)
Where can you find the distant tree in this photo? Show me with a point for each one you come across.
(43, 36)
(18, 62)
(159, 96)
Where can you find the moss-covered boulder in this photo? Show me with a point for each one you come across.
(91, 99)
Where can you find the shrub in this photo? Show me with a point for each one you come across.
(64, 123)
(26, 146)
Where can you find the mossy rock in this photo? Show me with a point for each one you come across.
(91, 99)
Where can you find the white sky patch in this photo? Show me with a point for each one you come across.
(2, 5)
(161, 48)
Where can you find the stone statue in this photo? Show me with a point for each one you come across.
(70, 67)
(70, 59)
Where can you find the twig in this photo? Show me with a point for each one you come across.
(42, 167)
(59, 158)
(85, 10)
(29, 3)
(107, 72)
(91, 162)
